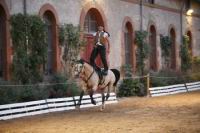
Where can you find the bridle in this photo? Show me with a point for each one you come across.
(76, 69)
(79, 72)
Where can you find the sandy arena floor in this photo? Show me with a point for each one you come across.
(170, 114)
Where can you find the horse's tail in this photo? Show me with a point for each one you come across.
(117, 75)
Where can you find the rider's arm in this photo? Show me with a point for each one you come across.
(107, 41)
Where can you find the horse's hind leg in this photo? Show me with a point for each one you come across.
(108, 92)
(103, 101)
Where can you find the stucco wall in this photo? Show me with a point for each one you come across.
(115, 11)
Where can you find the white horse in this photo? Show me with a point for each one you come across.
(91, 81)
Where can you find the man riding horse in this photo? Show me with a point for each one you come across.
(101, 41)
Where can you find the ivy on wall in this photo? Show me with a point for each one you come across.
(70, 40)
(30, 47)
(186, 58)
(142, 50)
(166, 44)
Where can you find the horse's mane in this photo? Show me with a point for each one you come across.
(82, 61)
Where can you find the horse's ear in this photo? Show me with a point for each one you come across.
(81, 61)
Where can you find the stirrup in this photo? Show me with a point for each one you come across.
(105, 72)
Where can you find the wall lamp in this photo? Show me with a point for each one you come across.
(189, 12)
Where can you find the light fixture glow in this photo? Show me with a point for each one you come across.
(189, 12)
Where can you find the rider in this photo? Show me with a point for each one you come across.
(101, 40)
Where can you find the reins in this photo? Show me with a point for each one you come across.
(90, 76)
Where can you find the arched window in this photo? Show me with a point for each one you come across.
(128, 41)
(90, 24)
(153, 48)
(50, 22)
(173, 48)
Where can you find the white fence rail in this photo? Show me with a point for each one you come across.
(173, 89)
(17, 110)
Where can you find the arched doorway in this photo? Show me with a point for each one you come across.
(189, 34)
(153, 49)
(2, 40)
(50, 17)
(5, 49)
(92, 20)
(173, 48)
(129, 46)
(50, 22)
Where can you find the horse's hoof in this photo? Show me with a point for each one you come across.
(94, 102)
(107, 96)
(77, 107)
(102, 108)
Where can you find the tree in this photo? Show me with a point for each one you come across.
(30, 47)
(69, 38)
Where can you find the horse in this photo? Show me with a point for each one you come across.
(92, 81)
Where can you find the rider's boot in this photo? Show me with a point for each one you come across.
(105, 72)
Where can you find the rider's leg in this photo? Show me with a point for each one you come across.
(93, 56)
(103, 58)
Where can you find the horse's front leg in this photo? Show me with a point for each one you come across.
(91, 97)
(80, 98)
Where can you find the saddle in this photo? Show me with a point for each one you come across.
(99, 71)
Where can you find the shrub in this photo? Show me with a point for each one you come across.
(166, 77)
(58, 87)
(186, 58)
(142, 50)
(71, 42)
(62, 87)
(130, 87)
(30, 47)
(165, 43)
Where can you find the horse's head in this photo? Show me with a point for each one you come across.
(78, 68)
(83, 69)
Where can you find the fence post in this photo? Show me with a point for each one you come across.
(148, 85)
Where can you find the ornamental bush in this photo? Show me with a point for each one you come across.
(142, 50)
(30, 48)
(71, 42)
(186, 58)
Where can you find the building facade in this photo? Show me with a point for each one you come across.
(121, 18)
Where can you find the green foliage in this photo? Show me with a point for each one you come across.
(30, 47)
(128, 70)
(166, 44)
(166, 77)
(59, 87)
(186, 59)
(69, 38)
(195, 73)
(15, 94)
(62, 87)
(130, 87)
(196, 60)
(142, 50)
